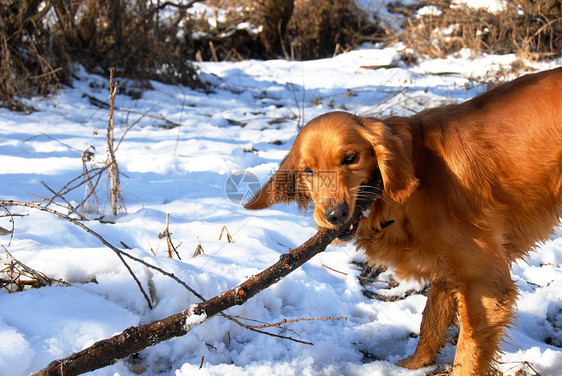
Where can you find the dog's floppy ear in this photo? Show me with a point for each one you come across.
(281, 188)
(393, 148)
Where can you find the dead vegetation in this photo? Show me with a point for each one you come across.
(41, 40)
(295, 30)
(30, 62)
(95, 172)
(532, 29)
(15, 276)
(135, 339)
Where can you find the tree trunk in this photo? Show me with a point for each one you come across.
(276, 15)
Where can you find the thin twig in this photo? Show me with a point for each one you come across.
(391, 283)
(171, 248)
(286, 321)
(69, 205)
(74, 221)
(116, 199)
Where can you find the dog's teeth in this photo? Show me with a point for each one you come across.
(351, 227)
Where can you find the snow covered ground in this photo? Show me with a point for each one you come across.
(247, 122)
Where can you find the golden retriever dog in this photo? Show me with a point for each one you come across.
(466, 189)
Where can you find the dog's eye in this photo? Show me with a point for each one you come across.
(308, 171)
(349, 159)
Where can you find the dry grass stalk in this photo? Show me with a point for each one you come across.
(168, 235)
(115, 196)
(228, 237)
(199, 250)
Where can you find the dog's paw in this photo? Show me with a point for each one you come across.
(414, 362)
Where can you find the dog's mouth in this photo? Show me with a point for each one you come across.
(349, 232)
(369, 193)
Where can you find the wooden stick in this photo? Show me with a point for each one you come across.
(135, 339)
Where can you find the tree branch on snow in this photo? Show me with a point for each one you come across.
(135, 339)
(148, 265)
(285, 321)
(118, 252)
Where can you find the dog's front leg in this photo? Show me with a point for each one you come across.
(485, 310)
(439, 314)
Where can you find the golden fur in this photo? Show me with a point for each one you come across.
(470, 188)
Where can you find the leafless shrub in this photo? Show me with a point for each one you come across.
(315, 29)
(322, 28)
(133, 37)
(40, 40)
(532, 29)
(31, 63)
(94, 172)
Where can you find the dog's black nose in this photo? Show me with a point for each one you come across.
(338, 214)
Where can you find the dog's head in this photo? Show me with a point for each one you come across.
(332, 157)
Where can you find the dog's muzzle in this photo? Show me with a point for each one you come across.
(368, 194)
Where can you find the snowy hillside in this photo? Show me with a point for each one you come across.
(177, 158)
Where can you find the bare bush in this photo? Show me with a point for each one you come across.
(262, 29)
(529, 28)
(30, 60)
(132, 37)
(275, 15)
(321, 28)
(39, 41)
